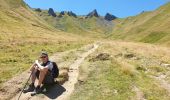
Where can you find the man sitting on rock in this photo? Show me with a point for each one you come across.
(42, 72)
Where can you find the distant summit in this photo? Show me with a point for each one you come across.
(69, 13)
(109, 17)
(51, 12)
(94, 13)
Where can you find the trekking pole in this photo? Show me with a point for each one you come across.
(25, 86)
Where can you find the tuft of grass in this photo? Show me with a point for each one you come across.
(128, 69)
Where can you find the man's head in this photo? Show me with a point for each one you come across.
(44, 56)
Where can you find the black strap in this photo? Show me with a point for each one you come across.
(45, 64)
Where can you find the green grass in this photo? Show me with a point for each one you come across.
(100, 79)
(149, 27)
(15, 59)
(154, 37)
(81, 26)
(102, 82)
(23, 35)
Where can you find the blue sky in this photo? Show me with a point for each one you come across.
(119, 8)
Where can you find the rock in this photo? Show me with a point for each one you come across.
(51, 12)
(129, 55)
(165, 65)
(101, 56)
(38, 10)
(70, 13)
(93, 14)
(109, 17)
(62, 13)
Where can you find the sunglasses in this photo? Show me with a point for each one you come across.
(43, 57)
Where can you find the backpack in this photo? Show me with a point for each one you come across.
(55, 70)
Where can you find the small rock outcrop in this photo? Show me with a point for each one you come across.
(109, 17)
(69, 13)
(38, 10)
(51, 12)
(93, 14)
(101, 57)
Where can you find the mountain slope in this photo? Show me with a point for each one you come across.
(23, 35)
(150, 27)
(92, 24)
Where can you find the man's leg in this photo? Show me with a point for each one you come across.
(33, 77)
(42, 75)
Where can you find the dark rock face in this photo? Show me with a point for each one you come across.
(69, 13)
(62, 13)
(51, 12)
(109, 17)
(93, 13)
(38, 10)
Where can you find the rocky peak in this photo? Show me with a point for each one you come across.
(51, 12)
(93, 13)
(109, 17)
(69, 13)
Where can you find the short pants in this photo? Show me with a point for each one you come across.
(48, 78)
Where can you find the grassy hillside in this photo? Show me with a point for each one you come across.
(94, 26)
(23, 35)
(124, 71)
(149, 27)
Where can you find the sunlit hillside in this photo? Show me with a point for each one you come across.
(149, 27)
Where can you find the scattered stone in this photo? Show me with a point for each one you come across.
(141, 68)
(80, 81)
(115, 91)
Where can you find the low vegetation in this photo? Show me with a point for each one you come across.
(118, 76)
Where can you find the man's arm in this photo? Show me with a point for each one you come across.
(39, 65)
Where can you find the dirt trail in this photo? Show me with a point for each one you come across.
(62, 92)
(139, 93)
(164, 84)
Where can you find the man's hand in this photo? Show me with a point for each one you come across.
(36, 62)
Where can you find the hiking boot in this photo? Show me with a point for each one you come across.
(36, 91)
(30, 88)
